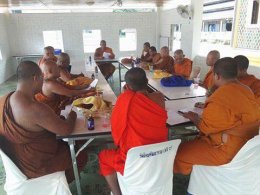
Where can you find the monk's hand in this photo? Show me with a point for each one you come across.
(194, 117)
(199, 105)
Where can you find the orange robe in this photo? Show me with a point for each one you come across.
(136, 120)
(208, 81)
(229, 107)
(107, 69)
(166, 64)
(43, 60)
(145, 58)
(55, 102)
(183, 69)
(34, 153)
(253, 83)
(156, 58)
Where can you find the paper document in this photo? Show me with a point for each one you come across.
(94, 83)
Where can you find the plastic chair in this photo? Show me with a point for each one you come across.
(18, 184)
(149, 169)
(241, 176)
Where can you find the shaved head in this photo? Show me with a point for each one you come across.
(226, 67)
(136, 79)
(242, 62)
(64, 59)
(178, 52)
(164, 51)
(50, 69)
(212, 57)
(26, 70)
(49, 48)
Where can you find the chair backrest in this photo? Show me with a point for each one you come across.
(240, 176)
(18, 183)
(148, 168)
(12, 172)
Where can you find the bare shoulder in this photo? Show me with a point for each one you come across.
(158, 98)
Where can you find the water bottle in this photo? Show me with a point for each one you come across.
(96, 71)
(90, 123)
(90, 60)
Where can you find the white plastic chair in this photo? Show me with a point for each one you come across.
(149, 169)
(18, 184)
(240, 177)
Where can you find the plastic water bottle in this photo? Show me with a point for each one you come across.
(96, 71)
(90, 60)
(90, 123)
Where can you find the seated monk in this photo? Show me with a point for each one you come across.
(230, 117)
(247, 79)
(145, 53)
(182, 66)
(28, 128)
(48, 55)
(104, 52)
(153, 58)
(128, 130)
(63, 63)
(212, 57)
(53, 92)
(165, 62)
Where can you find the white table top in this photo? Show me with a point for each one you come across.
(172, 107)
(174, 93)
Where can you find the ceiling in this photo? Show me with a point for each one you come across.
(85, 3)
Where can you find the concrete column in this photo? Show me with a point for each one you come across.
(197, 7)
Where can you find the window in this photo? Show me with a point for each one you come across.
(175, 37)
(253, 16)
(255, 12)
(91, 40)
(127, 40)
(53, 38)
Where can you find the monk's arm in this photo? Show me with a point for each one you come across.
(64, 76)
(158, 64)
(48, 120)
(60, 89)
(216, 118)
(112, 56)
(158, 98)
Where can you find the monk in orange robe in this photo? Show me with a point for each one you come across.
(165, 62)
(128, 130)
(247, 79)
(104, 52)
(212, 57)
(28, 128)
(145, 53)
(48, 55)
(54, 93)
(223, 124)
(63, 63)
(153, 58)
(182, 66)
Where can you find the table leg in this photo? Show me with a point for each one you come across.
(120, 79)
(74, 164)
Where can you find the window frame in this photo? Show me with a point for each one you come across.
(62, 49)
(98, 44)
(124, 29)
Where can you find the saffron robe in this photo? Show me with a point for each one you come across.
(253, 83)
(208, 80)
(156, 58)
(34, 153)
(166, 64)
(183, 69)
(136, 120)
(229, 107)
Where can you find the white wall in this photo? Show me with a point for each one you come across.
(7, 68)
(26, 30)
